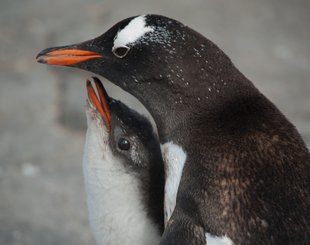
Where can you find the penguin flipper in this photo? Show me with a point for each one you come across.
(181, 230)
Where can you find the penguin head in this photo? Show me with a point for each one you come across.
(129, 135)
(139, 50)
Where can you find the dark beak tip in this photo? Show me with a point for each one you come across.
(40, 59)
(42, 53)
(39, 55)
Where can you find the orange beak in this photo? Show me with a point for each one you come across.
(65, 57)
(100, 101)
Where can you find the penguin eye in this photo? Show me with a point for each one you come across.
(123, 144)
(120, 52)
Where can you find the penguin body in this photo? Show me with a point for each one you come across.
(246, 173)
(123, 171)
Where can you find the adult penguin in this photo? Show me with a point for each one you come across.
(246, 173)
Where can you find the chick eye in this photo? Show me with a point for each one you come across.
(120, 52)
(123, 144)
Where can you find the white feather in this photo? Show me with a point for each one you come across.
(174, 160)
(131, 33)
(214, 240)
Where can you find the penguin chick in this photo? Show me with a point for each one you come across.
(123, 171)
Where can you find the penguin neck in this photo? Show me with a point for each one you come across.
(165, 104)
(174, 107)
(199, 84)
(168, 114)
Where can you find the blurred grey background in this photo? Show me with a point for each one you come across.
(42, 123)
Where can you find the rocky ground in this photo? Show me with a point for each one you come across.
(42, 123)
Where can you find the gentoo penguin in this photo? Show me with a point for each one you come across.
(246, 169)
(123, 171)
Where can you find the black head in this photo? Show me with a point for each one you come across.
(131, 138)
(148, 49)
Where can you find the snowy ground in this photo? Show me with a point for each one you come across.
(42, 123)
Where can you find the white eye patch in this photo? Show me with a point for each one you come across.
(131, 33)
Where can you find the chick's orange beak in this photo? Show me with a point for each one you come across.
(65, 57)
(99, 101)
